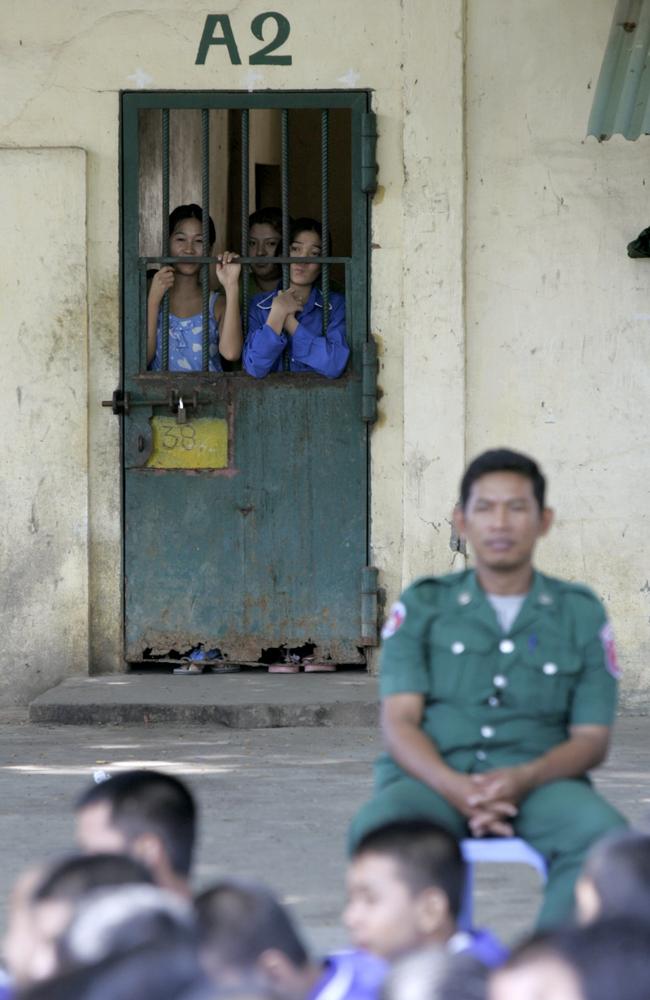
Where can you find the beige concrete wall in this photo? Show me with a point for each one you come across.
(502, 301)
(43, 492)
(558, 316)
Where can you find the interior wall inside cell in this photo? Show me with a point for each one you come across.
(185, 173)
(304, 171)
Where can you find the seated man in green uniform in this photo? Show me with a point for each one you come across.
(499, 689)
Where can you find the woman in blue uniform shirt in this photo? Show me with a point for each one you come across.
(292, 320)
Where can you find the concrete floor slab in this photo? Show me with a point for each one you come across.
(251, 699)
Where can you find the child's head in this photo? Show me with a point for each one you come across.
(305, 240)
(265, 240)
(184, 212)
(615, 879)
(405, 885)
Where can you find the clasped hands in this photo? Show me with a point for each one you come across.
(283, 312)
(489, 800)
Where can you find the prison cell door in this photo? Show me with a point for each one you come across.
(246, 505)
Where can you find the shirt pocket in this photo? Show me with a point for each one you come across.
(461, 663)
(552, 674)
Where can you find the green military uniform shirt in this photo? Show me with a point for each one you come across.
(494, 699)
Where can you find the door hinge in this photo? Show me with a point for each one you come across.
(369, 580)
(369, 167)
(369, 381)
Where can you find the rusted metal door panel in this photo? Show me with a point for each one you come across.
(267, 552)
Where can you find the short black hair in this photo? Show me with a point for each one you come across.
(144, 801)
(619, 867)
(427, 856)
(238, 921)
(503, 460)
(191, 211)
(609, 957)
(71, 878)
(267, 217)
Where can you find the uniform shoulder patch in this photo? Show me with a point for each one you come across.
(606, 636)
(395, 620)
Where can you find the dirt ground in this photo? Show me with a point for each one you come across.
(274, 804)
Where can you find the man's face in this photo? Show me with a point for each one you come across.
(502, 521)
(539, 979)
(95, 833)
(264, 241)
(382, 915)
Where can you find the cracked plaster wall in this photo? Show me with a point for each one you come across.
(557, 314)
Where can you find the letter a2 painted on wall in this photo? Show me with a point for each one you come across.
(218, 31)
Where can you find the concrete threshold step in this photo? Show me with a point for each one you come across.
(246, 700)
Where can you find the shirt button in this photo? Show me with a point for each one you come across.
(545, 599)
(506, 646)
(550, 669)
(487, 732)
(494, 701)
(480, 755)
(457, 648)
(500, 681)
(464, 598)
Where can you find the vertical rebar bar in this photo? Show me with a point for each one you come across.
(205, 209)
(165, 233)
(325, 211)
(245, 211)
(284, 182)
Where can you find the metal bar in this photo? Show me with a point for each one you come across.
(284, 187)
(284, 167)
(253, 260)
(245, 212)
(142, 317)
(205, 208)
(325, 212)
(165, 233)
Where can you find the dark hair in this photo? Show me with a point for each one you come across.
(150, 802)
(73, 877)
(611, 958)
(503, 460)
(238, 921)
(167, 970)
(191, 212)
(427, 856)
(307, 225)
(267, 217)
(619, 867)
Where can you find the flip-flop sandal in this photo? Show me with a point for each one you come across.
(194, 669)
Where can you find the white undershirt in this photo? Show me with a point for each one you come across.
(507, 607)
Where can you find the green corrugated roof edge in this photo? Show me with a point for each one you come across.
(622, 97)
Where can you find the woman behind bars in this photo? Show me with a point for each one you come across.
(292, 320)
(182, 281)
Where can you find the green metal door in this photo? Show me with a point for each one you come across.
(246, 505)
